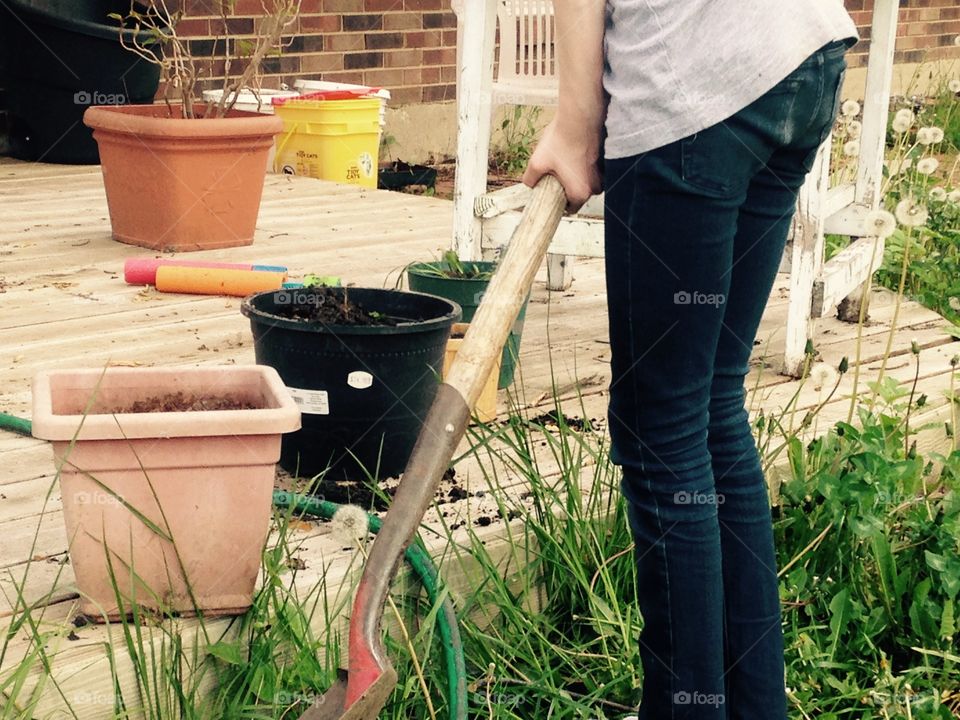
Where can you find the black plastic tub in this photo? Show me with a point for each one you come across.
(60, 57)
(363, 390)
(400, 175)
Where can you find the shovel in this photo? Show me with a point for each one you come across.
(371, 678)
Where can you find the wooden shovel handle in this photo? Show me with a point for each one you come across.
(507, 291)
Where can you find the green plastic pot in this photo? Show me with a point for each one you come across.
(467, 293)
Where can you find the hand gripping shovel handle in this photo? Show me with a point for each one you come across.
(442, 431)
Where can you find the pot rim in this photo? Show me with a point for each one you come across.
(145, 120)
(416, 268)
(280, 413)
(454, 313)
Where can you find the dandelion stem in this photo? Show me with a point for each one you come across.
(896, 315)
(861, 319)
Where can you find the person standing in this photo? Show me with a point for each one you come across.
(708, 115)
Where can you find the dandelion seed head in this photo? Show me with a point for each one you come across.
(911, 213)
(954, 85)
(854, 128)
(881, 223)
(900, 126)
(903, 120)
(927, 165)
(823, 376)
(938, 194)
(850, 108)
(929, 135)
(350, 524)
(954, 196)
(851, 148)
(954, 303)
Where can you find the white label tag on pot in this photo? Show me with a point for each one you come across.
(311, 402)
(360, 379)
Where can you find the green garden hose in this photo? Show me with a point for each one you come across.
(15, 424)
(416, 555)
(426, 571)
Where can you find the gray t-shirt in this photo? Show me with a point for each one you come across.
(675, 67)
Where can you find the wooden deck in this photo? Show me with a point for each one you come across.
(63, 303)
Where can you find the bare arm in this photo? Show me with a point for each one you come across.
(570, 146)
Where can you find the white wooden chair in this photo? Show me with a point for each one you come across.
(817, 288)
(526, 74)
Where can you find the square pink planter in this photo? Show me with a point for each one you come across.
(203, 477)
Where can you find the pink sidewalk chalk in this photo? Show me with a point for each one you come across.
(143, 271)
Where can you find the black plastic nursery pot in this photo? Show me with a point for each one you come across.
(467, 293)
(60, 57)
(363, 391)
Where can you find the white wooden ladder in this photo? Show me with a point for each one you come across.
(526, 74)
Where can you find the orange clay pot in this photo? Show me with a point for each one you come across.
(180, 501)
(179, 185)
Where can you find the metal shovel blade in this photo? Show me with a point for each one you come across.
(330, 705)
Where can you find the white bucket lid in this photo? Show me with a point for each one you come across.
(302, 84)
(247, 99)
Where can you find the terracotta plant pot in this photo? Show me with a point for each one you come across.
(181, 499)
(179, 185)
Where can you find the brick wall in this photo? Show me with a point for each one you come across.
(406, 46)
(926, 31)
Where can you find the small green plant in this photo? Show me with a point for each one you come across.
(387, 141)
(518, 134)
(312, 280)
(452, 267)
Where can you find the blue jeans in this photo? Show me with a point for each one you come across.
(694, 235)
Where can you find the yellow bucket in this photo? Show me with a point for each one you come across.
(335, 140)
(485, 410)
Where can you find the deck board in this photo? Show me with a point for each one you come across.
(63, 303)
